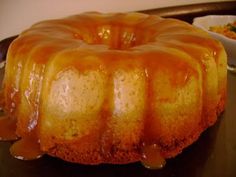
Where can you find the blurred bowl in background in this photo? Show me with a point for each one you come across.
(205, 22)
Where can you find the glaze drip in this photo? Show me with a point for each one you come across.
(1, 101)
(7, 128)
(151, 157)
(27, 148)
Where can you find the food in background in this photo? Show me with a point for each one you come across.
(228, 30)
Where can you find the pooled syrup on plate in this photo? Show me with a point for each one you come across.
(27, 148)
(151, 157)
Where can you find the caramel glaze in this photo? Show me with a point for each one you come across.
(1, 100)
(7, 124)
(27, 148)
(7, 129)
(143, 41)
(151, 157)
(201, 55)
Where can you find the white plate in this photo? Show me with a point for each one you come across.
(206, 22)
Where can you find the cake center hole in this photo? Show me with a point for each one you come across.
(116, 37)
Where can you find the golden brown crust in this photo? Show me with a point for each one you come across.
(70, 152)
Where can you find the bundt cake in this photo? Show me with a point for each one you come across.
(111, 88)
